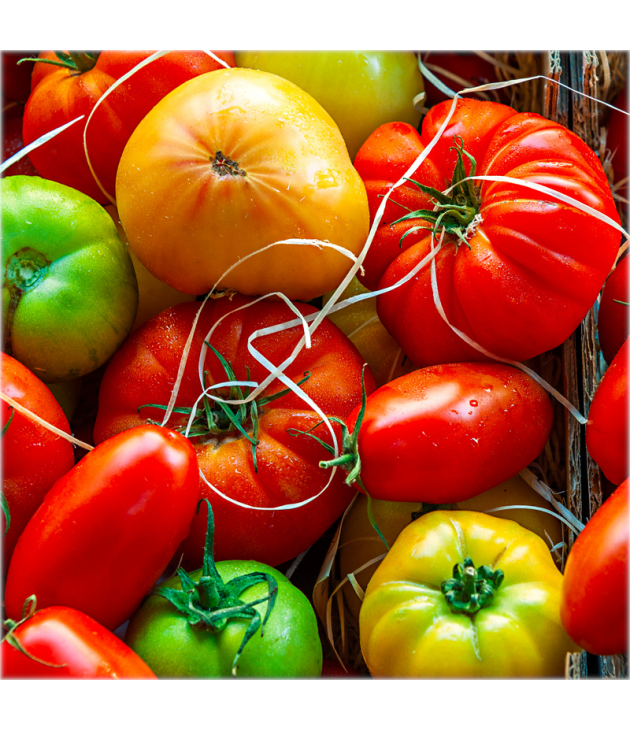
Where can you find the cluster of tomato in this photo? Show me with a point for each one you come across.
(188, 241)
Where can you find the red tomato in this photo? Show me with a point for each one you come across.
(449, 432)
(526, 256)
(63, 636)
(594, 605)
(33, 456)
(63, 95)
(287, 464)
(107, 530)
(613, 325)
(607, 427)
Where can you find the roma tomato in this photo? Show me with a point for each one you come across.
(73, 90)
(107, 530)
(359, 542)
(446, 433)
(245, 620)
(462, 594)
(255, 455)
(607, 426)
(594, 606)
(348, 83)
(613, 325)
(195, 197)
(33, 456)
(62, 643)
(510, 254)
(69, 292)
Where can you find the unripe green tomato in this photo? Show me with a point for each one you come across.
(70, 293)
(290, 646)
(359, 89)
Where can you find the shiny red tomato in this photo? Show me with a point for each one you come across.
(449, 432)
(67, 93)
(77, 646)
(33, 456)
(511, 255)
(594, 607)
(613, 324)
(107, 530)
(286, 470)
(607, 427)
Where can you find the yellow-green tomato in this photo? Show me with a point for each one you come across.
(289, 647)
(70, 293)
(359, 89)
(462, 594)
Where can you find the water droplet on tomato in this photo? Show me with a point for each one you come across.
(474, 403)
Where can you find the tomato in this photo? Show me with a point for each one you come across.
(359, 89)
(364, 329)
(33, 456)
(73, 90)
(462, 594)
(607, 427)
(246, 620)
(107, 530)
(62, 643)
(525, 254)
(286, 470)
(594, 607)
(196, 197)
(613, 325)
(447, 433)
(69, 290)
(359, 542)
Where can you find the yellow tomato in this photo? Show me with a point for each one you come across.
(463, 594)
(229, 163)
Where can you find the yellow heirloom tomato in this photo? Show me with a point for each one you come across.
(463, 594)
(228, 164)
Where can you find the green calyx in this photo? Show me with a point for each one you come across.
(210, 603)
(471, 589)
(214, 418)
(77, 62)
(3, 499)
(28, 609)
(453, 214)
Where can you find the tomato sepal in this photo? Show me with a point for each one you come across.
(28, 610)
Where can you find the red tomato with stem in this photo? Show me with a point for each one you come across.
(594, 606)
(446, 433)
(74, 89)
(107, 530)
(510, 254)
(62, 643)
(613, 325)
(607, 426)
(33, 456)
(263, 461)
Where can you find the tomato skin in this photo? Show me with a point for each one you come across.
(62, 635)
(594, 606)
(62, 95)
(613, 324)
(523, 258)
(449, 432)
(195, 198)
(607, 426)
(290, 646)
(407, 628)
(106, 531)
(33, 456)
(143, 371)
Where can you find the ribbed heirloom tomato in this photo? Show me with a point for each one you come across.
(232, 162)
(511, 254)
(253, 455)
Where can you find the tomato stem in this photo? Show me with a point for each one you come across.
(471, 589)
(77, 62)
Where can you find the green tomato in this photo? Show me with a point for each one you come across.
(70, 293)
(359, 89)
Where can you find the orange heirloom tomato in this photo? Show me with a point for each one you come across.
(463, 594)
(229, 163)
